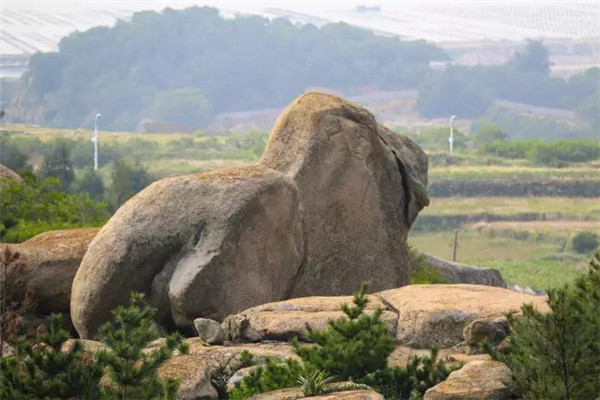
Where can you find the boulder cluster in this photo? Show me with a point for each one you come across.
(328, 206)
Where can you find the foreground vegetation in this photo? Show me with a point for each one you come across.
(56, 366)
(556, 355)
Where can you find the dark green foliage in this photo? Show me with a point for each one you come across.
(420, 271)
(488, 133)
(275, 374)
(534, 58)
(37, 205)
(221, 373)
(557, 355)
(241, 63)
(313, 382)
(349, 348)
(57, 164)
(186, 106)
(132, 372)
(356, 348)
(127, 180)
(552, 154)
(91, 183)
(11, 155)
(585, 241)
(42, 370)
(412, 381)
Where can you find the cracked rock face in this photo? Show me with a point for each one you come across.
(328, 206)
(361, 186)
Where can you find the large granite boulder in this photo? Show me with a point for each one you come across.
(204, 245)
(437, 314)
(7, 173)
(48, 263)
(361, 187)
(454, 272)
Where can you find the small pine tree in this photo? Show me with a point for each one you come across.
(352, 347)
(557, 355)
(46, 370)
(132, 372)
(275, 374)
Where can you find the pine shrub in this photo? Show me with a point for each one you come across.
(350, 347)
(557, 355)
(44, 370)
(133, 372)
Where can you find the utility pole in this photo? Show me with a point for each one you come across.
(451, 138)
(455, 245)
(95, 140)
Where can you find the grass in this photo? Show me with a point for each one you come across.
(537, 264)
(567, 207)
(513, 173)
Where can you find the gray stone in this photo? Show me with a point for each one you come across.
(361, 187)
(204, 245)
(208, 330)
(454, 272)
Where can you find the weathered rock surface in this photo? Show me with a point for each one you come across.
(454, 272)
(360, 187)
(49, 263)
(477, 380)
(204, 245)
(296, 393)
(287, 319)
(7, 173)
(492, 330)
(208, 330)
(437, 314)
(402, 354)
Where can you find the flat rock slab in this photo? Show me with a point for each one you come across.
(296, 393)
(477, 380)
(284, 320)
(436, 314)
(402, 354)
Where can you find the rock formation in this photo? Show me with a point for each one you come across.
(7, 173)
(328, 207)
(454, 272)
(361, 187)
(203, 245)
(420, 316)
(49, 263)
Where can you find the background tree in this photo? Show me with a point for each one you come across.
(186, 106)
(127, 180)
(488, 133)
(57, 164)
(534, 58)
(90, 182)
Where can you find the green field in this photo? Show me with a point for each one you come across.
(540, 265)
(568, 207)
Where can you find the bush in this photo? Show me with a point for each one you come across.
(420, 272)
(48, 370)
(585, 241)
(557, 355)
(354, 347)
(36, 205)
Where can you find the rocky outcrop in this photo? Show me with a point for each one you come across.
(454, 272)
(296, 393)
(7, 173)
(492, 330)
(203, 245)
(328, 207)
(360, 185)
(437, 314)
(477, 380)
(420, 316)
(288, 319)
(48, 262)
